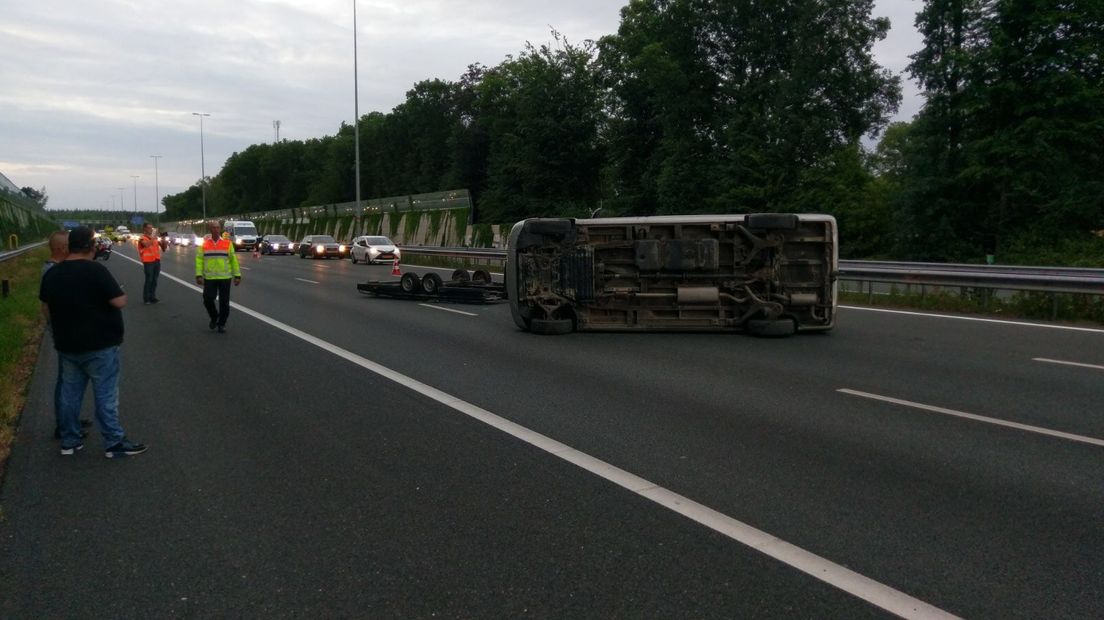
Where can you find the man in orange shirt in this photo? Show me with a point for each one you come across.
(149, 250)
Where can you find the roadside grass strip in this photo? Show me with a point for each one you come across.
(21, 325)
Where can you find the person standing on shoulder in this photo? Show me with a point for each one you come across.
(149, 250)
(84, 303)
(215, 267)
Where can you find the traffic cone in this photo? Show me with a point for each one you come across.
(395, 268)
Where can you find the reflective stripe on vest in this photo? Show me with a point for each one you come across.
(151, 252)
(215, 260)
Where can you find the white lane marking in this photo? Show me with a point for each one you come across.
(247, 268)
(310, 281)
(978, 319)
(448, 310)
(977, 418)
(1064, 363)
(843, 578)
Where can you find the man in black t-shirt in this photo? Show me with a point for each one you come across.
(85, 303)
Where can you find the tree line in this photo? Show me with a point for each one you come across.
(734, 106)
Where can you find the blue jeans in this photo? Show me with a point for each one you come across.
(102, 367)
(149, 288)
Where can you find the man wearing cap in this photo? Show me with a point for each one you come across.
(85, 306)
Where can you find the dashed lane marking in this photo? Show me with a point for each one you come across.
(1064, 363)
(305, 280)
(977, 418)
(448, 310)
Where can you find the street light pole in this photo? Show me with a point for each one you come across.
(135, 177)
(356, 128)
(202, 165)
(156, 192)
(122, 203)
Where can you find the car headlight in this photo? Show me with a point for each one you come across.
(319, 248)
(238, 241)
(291, 246)
(341, 248)
(373, 251)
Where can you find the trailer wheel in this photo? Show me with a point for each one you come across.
(461, 275)
(410, 283)
(771, 328)
(431, 283)
(551, 327)
(481, 276)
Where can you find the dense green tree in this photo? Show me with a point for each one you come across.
(1010, 142)
(737, 106)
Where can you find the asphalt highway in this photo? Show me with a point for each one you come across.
(305, 463)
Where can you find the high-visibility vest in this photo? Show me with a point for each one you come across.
(215, 260)
(149, 249)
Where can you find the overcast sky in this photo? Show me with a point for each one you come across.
(92, 88)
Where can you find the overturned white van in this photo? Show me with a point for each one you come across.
(769, 274)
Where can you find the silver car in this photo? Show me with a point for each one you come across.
(375, 249)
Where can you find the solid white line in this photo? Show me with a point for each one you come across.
(310, 281)
(977, 418)
(1049, 361)
(246, 268)
(448, 310)
(878, 594)
(978, 319)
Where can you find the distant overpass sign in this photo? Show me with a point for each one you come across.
(70, 224)
(137, 220)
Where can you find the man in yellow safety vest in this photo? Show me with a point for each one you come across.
(215, 266)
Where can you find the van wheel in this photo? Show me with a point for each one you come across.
(431, 283)
(481, 276)
(410, 283)
(461, 275)
(551, 327)
(771, 328)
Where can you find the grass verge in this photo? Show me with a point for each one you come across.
(21, 326)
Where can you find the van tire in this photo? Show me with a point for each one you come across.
(772, 221)
(481, 276)
(771, 328)
(461, 275)
(551, 327)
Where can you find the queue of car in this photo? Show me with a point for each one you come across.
(367, 249)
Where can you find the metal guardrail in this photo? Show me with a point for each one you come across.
(23, 250)
(1000, 277)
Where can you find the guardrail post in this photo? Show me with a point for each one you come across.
(13, 242)
(870, 290)
(5, 287)
(1054, 306)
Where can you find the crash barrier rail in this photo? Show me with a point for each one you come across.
(1053, 280)
(22, 250)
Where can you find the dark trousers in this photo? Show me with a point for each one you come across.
(152, 270)
(220, 289)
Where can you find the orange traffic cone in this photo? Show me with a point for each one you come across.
(395, 268)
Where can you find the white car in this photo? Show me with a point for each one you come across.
(374, 249)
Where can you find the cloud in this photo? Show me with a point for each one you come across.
(95, 88)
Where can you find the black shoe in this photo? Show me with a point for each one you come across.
(155, 301)
(222, 329)
(213, 324)
(123, 448)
